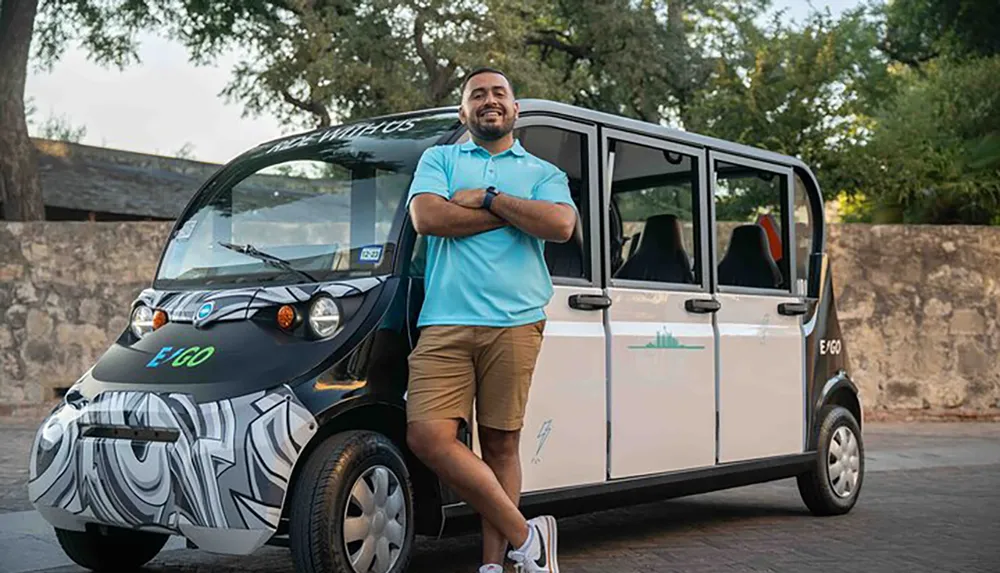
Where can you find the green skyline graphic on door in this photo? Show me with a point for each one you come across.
(666, 341)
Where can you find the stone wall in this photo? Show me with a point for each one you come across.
(65, 291)
(918, 304)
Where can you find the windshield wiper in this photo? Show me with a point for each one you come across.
(272, 260)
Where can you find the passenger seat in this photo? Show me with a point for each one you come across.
(748, 261)
(659, 256)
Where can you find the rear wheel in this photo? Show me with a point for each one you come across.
(352, 507)
(110, 548)
(832, 486)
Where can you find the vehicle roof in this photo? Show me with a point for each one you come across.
(678, 135)
(570, 111)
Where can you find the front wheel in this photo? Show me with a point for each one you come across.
(110, 548)
(352, 507)
(832, 486)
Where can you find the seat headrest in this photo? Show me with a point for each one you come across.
(749, 242)
(661, 233)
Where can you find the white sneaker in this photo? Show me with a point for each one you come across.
(540, 555)
(491, 568)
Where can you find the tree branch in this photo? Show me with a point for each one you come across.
(549, 39)
(912, 61)
(419, 28)
(313, 107)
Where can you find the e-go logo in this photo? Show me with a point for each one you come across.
(830, 346)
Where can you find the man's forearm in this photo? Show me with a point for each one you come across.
(542, 219)
(445, 219)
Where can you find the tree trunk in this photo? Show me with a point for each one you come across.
(20, 189)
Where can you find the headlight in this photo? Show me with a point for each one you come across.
(142, 321)
(324, 317)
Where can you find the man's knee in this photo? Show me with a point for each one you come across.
(498, 444)
(426, 439)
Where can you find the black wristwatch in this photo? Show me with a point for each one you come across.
(491, 193)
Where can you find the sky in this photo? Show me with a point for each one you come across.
(166, 102)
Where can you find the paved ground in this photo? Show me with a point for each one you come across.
(930, 502)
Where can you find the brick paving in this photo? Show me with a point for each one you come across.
(937, 514)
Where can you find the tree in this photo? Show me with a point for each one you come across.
(917, 31)
(933, 157)
(932, 152)
(804, 91)
(19, 187)
(107, 29)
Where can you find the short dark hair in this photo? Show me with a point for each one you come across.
(484, 70)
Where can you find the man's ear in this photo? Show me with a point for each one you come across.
(462, 116)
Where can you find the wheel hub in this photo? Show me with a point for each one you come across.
(375, 521)
(843, 462)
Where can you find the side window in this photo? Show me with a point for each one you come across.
(749, 226)
(567, 150)
(655, 213)
(803, 234)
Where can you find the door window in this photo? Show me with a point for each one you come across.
(803, 234)
(655, 215)
(567, 150)
(750, 226)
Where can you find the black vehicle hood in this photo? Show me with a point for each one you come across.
(234, 350)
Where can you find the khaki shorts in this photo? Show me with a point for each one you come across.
(452, 366)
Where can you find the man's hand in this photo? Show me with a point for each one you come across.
(434, 215)
(546, 220)
(469, 198)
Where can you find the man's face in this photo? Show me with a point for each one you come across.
(488, 107)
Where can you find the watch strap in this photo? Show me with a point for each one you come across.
(491, 193)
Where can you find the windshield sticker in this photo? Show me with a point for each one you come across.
(183, 356)
(666, 341)
(186, 230)
(346, 132)
(370, 254)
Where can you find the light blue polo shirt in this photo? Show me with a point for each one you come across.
(496, 278)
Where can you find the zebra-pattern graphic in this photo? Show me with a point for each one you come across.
(228, 468)
(241, 304)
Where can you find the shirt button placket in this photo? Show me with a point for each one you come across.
(491, 171)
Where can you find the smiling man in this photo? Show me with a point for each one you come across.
(487, 207)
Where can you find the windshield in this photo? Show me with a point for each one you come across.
(320, 207)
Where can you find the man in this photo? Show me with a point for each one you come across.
(486, 207)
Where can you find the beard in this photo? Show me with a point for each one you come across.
(491, 132)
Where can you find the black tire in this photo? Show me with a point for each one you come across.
(815, 486)
(110, 548)
(322, 495)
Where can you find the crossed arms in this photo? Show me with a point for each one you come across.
(462, 215)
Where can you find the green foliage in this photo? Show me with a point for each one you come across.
(805, 91)
(917, 31)
(59, 128)
(893, 105)
(935, 156)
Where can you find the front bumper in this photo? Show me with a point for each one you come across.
(215, 473)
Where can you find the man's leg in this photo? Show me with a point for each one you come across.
(441, 392)
(505, 363)
(502, 454)
(436, 444)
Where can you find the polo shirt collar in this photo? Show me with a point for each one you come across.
(516, 149)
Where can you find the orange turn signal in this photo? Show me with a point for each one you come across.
(286, 317)
(159, 319)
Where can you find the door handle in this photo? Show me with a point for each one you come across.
(589, 301)
(702, 305)
(793, 308)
